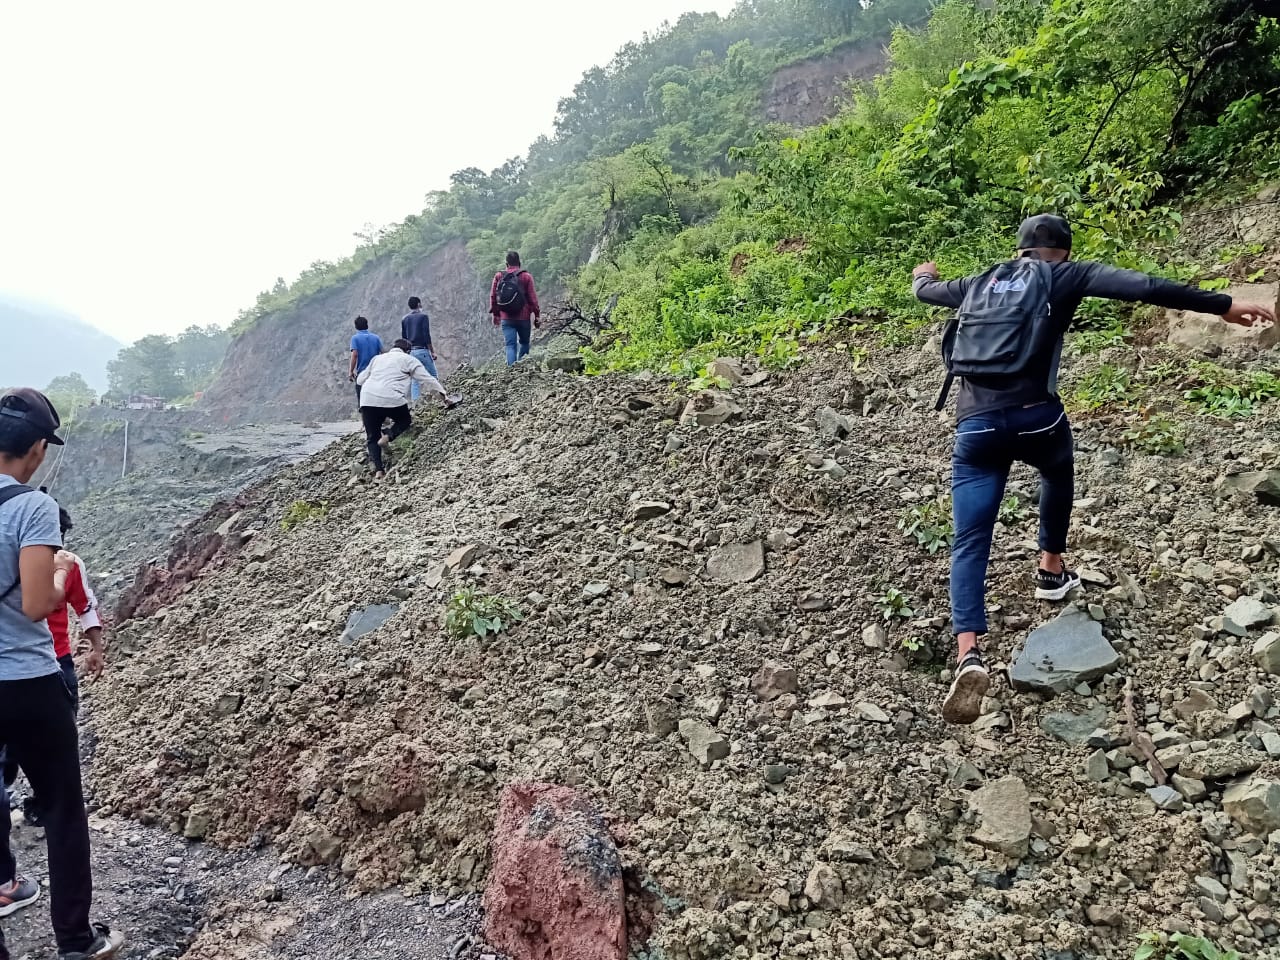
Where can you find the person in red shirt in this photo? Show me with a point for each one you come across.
(515, 308)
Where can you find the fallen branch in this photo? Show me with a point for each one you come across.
(1139, 739)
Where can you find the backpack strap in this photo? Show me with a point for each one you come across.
(11, 492)
(946, 389)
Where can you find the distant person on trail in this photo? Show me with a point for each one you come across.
(416, 328)
(37, 722)
(1004, 347)
(80, 598)
(364, 347)
(515, 308)
(386, 397)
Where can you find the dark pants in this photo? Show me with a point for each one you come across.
(374, 418)
(986, 447)
(39, 730)
(68, 665)
(516, 332)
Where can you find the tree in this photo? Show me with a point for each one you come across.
(70, 393)
(198, 352)
(148, 367)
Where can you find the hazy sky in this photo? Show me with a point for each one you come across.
(166, 161)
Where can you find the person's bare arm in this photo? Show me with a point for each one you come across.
(355, 360)
(97, 658)
(44, 580)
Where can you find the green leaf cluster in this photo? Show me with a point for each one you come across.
(472, 613)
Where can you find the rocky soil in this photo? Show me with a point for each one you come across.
(705, 651)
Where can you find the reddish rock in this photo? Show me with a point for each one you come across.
(556, 890)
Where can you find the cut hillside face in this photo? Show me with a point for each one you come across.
(292, 365)
(767, 747)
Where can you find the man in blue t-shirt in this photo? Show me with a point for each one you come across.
(37, 722)
(364, 347)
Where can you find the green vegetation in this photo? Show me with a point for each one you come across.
(1159, 435)
(168, 367)
(930, 523)
(1181, 946)
(1010, 510)
(1231, 393)
(471, 613)
(303, 511)
(1104, 386)
(70, 394)
(894, 605)
(662, 182)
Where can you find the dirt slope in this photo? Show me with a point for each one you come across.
(839, 821)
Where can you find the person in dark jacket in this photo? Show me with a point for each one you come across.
(518, 317)
(1003, 419)
(416, 328)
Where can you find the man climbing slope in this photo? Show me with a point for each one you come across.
(37, 724)
(1004, 348)
(386, 397)
(364, 347)
(416, 328)
(514, 304)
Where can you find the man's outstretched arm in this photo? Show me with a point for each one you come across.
(928, 288)
(1113, 283)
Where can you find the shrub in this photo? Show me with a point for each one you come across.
(471, 613)
(930, 523)
(1161, 436)
(894, 605)
(303, 511)
(1180, 946)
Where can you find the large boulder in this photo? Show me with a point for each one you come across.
(556, 888)
(1205, 333)
(1063, 654)
(1263, 484)
(1254, 804)
(1003, 809)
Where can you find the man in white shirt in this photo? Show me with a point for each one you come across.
(384, 395)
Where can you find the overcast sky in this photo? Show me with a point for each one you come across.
(165, 161)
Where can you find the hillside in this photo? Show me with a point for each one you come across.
(671, 576)
(43, 342)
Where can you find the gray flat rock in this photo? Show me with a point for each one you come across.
(368, 619)
(737, 562)
(1074, 728)
(1063, 654)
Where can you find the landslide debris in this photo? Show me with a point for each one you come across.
(708, 652)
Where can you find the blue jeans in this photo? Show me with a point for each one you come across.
(425, 357)
(513, 330)
(986, 447)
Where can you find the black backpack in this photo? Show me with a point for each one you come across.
(510, 292)
(1003, 327)
(8, 493)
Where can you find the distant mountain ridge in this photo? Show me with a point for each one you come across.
(42, 342)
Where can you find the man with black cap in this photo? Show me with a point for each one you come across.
(37, 722)
(1004, 349)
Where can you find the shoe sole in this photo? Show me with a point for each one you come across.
(964, 700)
(11, 908)
(1057, 593)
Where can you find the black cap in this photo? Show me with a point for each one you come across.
(33, 408)
(1044, 230)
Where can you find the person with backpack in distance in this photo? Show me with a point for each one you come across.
(37, 723)
(364, 347)
(80, 598)
(515, 308)
(416, 328)
(386, 397)
(1004, 347)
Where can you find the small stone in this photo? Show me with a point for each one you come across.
(660, 719)
(869, 711)
(595, 589)
(463, 557)
(777, 773)
(1073, 728)
(1210, 887)
(1096, 768)
(228, 704)
(842, 847)
(1195, 702)
(824, 887)
(813, 603)
(828, 701)
(1253, 553)
(1104, 915)
(1245, 613)
(674, 576)
(648, 510)
(774, 679)
(875, 637)
(737, 562)
(1098, 612)
(704, 742)
(832, 424)
(1166, 798)
(1254, 803)
(509, 521)
(650, 649)
(1222, 760)
(1192, 790)
(711, 708)
(1266, 653)
(1004, 812)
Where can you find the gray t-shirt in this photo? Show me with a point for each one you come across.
(26, 648)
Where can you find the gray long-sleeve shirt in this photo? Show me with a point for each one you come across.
(1073, 280)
